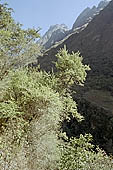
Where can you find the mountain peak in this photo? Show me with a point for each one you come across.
(83, 18)
(55, 33)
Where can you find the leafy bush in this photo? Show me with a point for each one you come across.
(30, 112)
(79, 154)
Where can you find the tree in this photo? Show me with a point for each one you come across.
(70, 68)
(33, 103)
(17, 46)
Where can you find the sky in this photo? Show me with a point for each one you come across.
(44, 13)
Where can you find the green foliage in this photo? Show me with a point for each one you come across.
(27, 102)
(28, 96)
(33, 104)
(70, 108)
(79, 154)
(9, 109)
(70, 69)
(17, 46)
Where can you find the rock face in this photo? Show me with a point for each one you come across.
(88, 14)
(55, 33)
(95, 43)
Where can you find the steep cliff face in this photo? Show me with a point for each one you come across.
(88, 14)
(55, 33)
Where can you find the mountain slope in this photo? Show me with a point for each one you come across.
(94, 43)
(95, 99)
(58, 32)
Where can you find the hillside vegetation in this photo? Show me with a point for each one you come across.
(34, 104)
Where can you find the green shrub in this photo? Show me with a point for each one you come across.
(29, 118)
(80, 154)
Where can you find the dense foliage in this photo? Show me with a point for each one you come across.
(80, 154)
(17, 46)
(29, 116)
(71, 70)
(34, 103)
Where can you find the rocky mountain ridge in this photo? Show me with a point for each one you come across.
(55, 33)
(58, 32)
(89, 13)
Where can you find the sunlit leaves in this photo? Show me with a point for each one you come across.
(71, 70)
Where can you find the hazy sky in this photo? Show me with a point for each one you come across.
(43, 13)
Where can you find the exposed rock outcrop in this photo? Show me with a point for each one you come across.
(55, 33)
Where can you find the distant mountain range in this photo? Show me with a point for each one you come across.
(59, 31)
